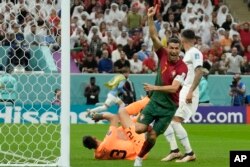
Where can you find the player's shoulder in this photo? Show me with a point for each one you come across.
(194, 50)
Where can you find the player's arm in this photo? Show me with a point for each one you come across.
(113, 119)
(197, 78)
(167, 89)
(173, 88)
(152, 31)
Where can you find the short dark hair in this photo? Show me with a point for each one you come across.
(174, 40)
(188, 34)
(89, 142)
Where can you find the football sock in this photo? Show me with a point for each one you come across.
(170, 137)
(98, 109)
(181, 134)
(147, 145)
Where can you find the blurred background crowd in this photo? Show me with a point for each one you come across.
(109, 36)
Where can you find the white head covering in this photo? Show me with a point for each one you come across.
(221, 17)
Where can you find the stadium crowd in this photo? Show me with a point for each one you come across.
(108, 36)
(24, 24)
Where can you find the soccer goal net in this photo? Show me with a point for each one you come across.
(30, 84)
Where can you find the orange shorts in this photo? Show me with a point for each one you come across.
(136, 139)
(136, 107)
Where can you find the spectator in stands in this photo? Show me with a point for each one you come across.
(19, 55)
(172, 22)
(89, 65)
(215, 24)
(222, 68)
(135, 64)
(207, 7)
(237, 92)
(103, 47)
(186, 14)
(123, 38)
(149, 64)
(227, 24)
(203, 88)
(18, 33)
(247, 53)
(95, 45)
(8, 87)
(208, 63)
(236, 42)
(244, 30)
(234, 62)
(129, 49)
(115, 14)
(91, 92)
(226, 42)
(165, 27)
(143, 53)
(117, 30)
(121, 64)
(134, 19)
(233, 30)
(33, 38)
(222, 14)
(158, 22)
(57, 98)
(116, 54)
(205, 28)
(105, 65)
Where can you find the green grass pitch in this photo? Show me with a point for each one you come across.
(211, 144)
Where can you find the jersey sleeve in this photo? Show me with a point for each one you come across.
(160, 52)
(181, 73)
(197, 59)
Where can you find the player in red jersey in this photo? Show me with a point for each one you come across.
(165, 97)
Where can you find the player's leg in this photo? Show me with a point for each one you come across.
(141, 126)
(183, 114)
(174, 150)
(109, 101)
(132, 109)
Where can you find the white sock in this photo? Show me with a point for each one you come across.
(100, 108)
(170, 137)
(181, 134)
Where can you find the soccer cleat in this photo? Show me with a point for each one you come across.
(187, 158)
(172, 155)
(90, 113)
(138, 161)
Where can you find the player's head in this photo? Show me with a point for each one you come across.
(92, 80)
(187, 38)
(89, 142)
(174, 46)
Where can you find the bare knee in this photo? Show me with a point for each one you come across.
(140, 128)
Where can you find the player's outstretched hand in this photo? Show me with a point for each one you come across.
(152, 11)
(90, 113)
(148, 87)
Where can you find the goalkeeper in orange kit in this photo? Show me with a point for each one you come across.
(120, 142)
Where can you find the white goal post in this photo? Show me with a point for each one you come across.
(33, 132)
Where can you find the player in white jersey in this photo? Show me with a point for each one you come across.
(188, 100)
(116, 87)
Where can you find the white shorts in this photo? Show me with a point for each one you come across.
(186, 111)
(111, 99)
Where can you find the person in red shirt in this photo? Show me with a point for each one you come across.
(247, 53)
(244, 30)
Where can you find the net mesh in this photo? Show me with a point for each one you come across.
(30, 82)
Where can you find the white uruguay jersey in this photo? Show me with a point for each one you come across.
(193, 58)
